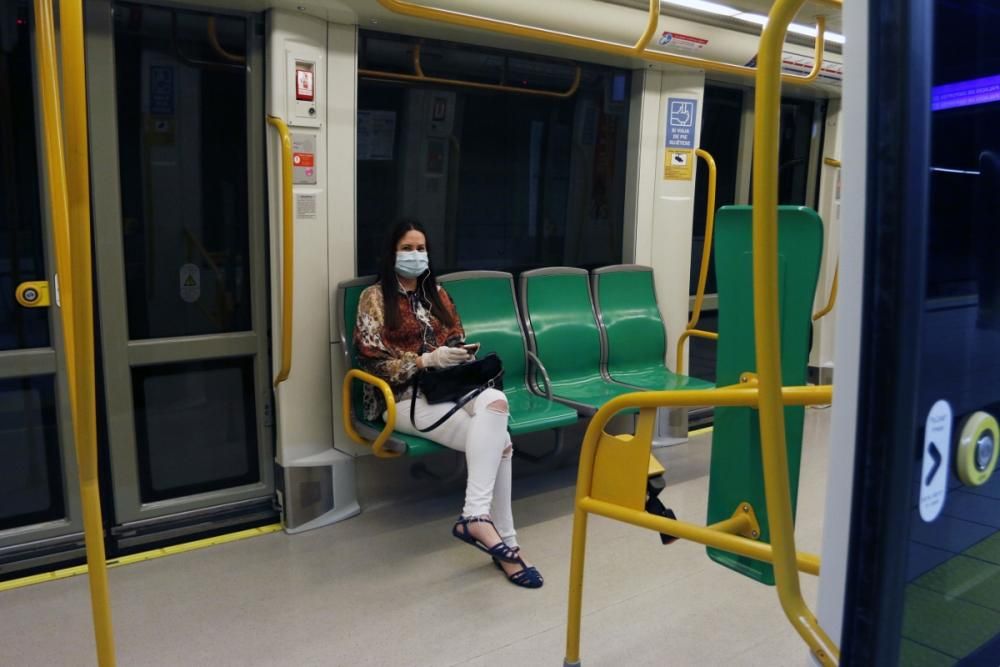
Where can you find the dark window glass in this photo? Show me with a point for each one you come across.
(793, 152)
(182, 134)
(720, 135)
(31, 479)
(502, 180)
(22, 250)
(195, 427)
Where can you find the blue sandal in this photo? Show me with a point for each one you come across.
(498, 551)
(526, 577)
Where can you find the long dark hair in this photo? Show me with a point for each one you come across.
(426, 283)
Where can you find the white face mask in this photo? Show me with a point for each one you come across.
(411, 264)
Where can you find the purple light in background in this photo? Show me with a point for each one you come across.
(966, 93)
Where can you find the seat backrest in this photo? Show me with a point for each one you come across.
(736, 472)
(625, 299)
(486, 306)
(558, 311)
(348, 297)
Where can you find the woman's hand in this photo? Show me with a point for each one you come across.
(443, 357)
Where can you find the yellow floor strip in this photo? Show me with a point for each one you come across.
(700, 431)
(140, 557)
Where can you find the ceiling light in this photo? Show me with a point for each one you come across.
(703, 6)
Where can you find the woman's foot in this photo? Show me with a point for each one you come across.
(521, 573)
(480, 532)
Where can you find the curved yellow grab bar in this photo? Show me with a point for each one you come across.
(832, 301)
(287, 249)
(420, 77)
(519, 30)
(690, 333)
(706, 254)
(767, 331)
(213, 40)
(68, 183)
(746, 395)
(378, 445)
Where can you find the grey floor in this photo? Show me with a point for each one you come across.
(391, 587)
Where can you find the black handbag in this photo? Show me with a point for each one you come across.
(460, 383)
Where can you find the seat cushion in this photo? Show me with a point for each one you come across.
(659, 379)
(530, 412)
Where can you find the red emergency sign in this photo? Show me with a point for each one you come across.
(304, 85)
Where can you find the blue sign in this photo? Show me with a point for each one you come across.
(161, 90)
(681, 116)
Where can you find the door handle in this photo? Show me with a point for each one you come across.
(33, 294)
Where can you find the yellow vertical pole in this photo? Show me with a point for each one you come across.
(766, 323)
(69, 194)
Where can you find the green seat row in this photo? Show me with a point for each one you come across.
(602, 346)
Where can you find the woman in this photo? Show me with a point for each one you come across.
(407, 322)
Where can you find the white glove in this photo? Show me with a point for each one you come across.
(443, 357)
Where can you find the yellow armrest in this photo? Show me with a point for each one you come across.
(378, 446)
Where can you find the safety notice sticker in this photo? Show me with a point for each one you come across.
(190, 276)
(683, 42)
(937, 453)
(681, 115)
(678, 165)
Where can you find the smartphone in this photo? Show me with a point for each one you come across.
(471, 348)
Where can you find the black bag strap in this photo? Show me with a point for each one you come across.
(459, 404)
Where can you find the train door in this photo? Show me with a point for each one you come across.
(39, 499)
(918, 561)
(176, 116)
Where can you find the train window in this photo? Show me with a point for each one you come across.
(31, 488)
(965, 159)
(795, 152)
(502, 180)
(194, 428)
(22, 249)
(182, 137)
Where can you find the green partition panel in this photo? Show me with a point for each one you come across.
(626, 299)
(486, 305)
(736, 471)
(350, 295)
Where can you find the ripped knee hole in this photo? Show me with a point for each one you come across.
(498, 406)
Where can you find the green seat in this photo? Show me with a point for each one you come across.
(557, 308)
(736, 472)
(348, 296)
(634, 335)
(485, 303)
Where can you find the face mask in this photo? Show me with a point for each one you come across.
(411, 264)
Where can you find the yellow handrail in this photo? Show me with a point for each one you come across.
(377, 445)
(69, 196)
(747, 395)
(287, 249)
(706, 254)
(832, 301)
(774, 455)
(213, 40)
(420, 77)
(552, 36)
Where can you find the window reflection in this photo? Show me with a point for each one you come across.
(502, 180)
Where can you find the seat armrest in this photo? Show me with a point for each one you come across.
(539, 366)
(378, 445)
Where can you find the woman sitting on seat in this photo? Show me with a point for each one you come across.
(407, 322)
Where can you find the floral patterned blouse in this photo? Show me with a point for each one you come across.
(391, 354)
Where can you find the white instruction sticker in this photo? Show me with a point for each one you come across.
(937, 454)
(190, 282)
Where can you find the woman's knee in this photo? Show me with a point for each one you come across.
(495, 400)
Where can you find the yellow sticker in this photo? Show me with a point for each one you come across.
(678, 164)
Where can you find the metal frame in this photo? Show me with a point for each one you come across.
(119, 353)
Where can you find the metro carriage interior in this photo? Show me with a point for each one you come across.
(738, 259)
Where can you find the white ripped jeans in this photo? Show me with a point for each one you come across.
(480, 431)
